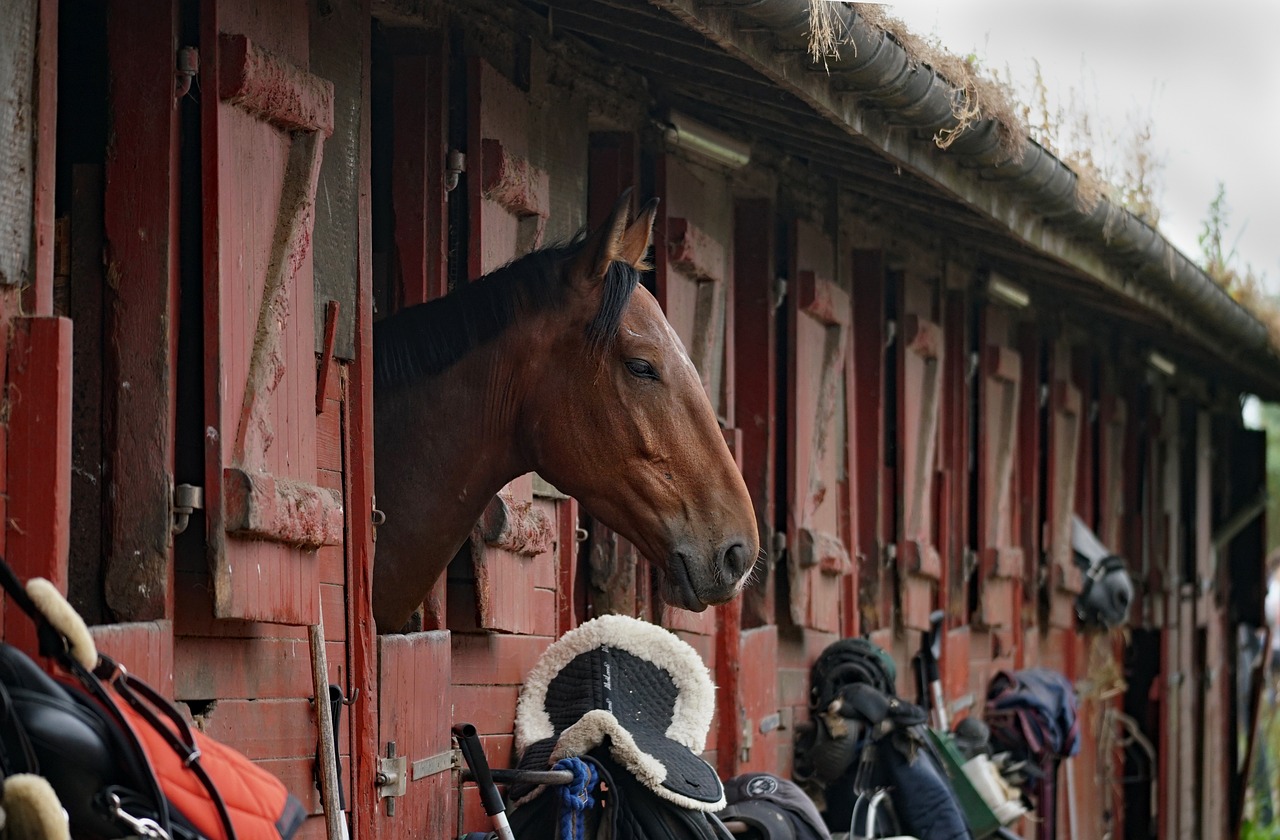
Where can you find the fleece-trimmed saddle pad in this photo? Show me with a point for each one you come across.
(630, 684)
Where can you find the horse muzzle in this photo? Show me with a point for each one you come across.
(695, 581)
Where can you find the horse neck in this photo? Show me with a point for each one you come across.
(446, 445)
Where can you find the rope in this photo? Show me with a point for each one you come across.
(576, 798)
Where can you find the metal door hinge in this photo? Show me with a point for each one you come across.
(393, 777)
(455, 164)
(187, 498)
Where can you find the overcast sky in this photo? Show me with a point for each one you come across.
(1204, 75)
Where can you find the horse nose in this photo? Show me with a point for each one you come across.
(736, 560)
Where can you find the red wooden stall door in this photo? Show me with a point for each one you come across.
(263, 136)
(1065, 428)
(920, 396)
(415, 716)
(1002, 558)
(760, 720)
(818, 557)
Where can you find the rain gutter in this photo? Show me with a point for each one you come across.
(874, 91)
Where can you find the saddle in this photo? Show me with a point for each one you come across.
(633, 702)
(122, 759)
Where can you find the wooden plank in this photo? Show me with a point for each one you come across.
(18, 55)
(141, 226)
(919, 397)
(89, 472)
(362, 640)
(819, 313)
(755, 397)
(569, 613)
(193, 614)
(1001, 558)
(260, 368)
(263, 728)
(415, 712)
(1066, 429)
(867, 381)
(492, 659)
(326, 366)
(40, 293)
(1029, 501)
(338, 33)
(954, 463)
(211, 667)
(298, 777)
(272, 88)
(37, 526)
(490, 708)
(418, 196)
(145, 648)
(760, 732)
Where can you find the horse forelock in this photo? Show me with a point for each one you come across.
(620, 281)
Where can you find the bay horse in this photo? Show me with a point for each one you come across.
(563, 364)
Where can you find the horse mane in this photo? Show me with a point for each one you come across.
(427, 339)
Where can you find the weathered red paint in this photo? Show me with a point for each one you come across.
(37, 524)
(867, 382)
(819, 314)
(517, 526)
(267, 507)
(362, 650)
(416, 712)
(1066, 421)
(953, 471)
(511, 182)
(259, 333)
(144, 647)
(819, 297)
(273, 88)
(1000, 558)
(920, 365)
(331, 309)
(693, 251)
(140, 219)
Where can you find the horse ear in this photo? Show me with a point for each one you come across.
(637, 238)
(603, 244)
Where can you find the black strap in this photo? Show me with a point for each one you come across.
(146, 701)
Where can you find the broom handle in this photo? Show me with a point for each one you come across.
(335, 820)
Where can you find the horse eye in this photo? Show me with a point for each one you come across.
(642, 369)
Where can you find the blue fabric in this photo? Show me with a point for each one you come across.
(1050, 699)
(576, 798)
(922, 796)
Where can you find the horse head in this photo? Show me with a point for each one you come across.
(620, 421)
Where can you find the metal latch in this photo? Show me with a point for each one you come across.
(393, 777)
(439, 763)
(186, 67)
(187, 498)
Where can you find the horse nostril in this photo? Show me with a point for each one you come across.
(736, 560)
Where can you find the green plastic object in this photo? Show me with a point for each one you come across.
(981, 819)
